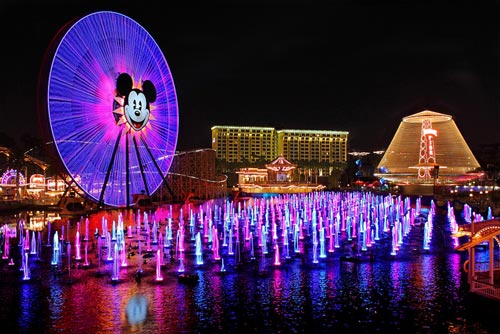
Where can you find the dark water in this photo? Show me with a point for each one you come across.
(414, 292)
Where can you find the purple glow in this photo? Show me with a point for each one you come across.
(9, 177)
(81, 100)
(78, 255)
(159, 276)
(115, 276)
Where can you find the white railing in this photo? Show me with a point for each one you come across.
(485, 289)
(484, 267)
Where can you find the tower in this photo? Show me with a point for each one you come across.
(427, 156)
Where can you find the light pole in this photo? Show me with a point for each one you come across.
(435, 174)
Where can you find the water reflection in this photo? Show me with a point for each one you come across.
(417, 291)
(137, 310)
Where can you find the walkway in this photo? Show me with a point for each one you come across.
(483, 281)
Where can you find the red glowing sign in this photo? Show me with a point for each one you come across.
(37, 180)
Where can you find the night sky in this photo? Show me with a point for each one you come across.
(355, 66)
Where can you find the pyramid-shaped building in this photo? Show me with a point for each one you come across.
(428, 145)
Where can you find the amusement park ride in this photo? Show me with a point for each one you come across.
(109, 106)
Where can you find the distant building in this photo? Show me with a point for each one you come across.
(275, 178)
(244, 143)
(193, 172)
(317, 153)
(488, 156)
(313, 145)
(428, 148)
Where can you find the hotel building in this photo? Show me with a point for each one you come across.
(241, 143)
(244, 143)
(313, 145)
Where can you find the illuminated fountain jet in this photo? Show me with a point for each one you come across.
(198, 252)
(55, 250)
(114, 275)
(159, 276)
(26, 269)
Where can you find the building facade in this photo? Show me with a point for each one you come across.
(242, 143)
(313, 145)
(277, 177)
(193, 172)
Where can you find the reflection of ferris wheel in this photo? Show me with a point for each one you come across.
(111, 107)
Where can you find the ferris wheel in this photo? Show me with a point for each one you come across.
(110, 107)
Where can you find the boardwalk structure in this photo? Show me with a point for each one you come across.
(483, 280)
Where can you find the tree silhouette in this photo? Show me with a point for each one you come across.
(17, 158)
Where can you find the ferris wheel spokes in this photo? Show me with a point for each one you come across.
(110, 165)
(157, 166)
(141, 167)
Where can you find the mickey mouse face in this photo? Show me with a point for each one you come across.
(136, 111)
(136, 102)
